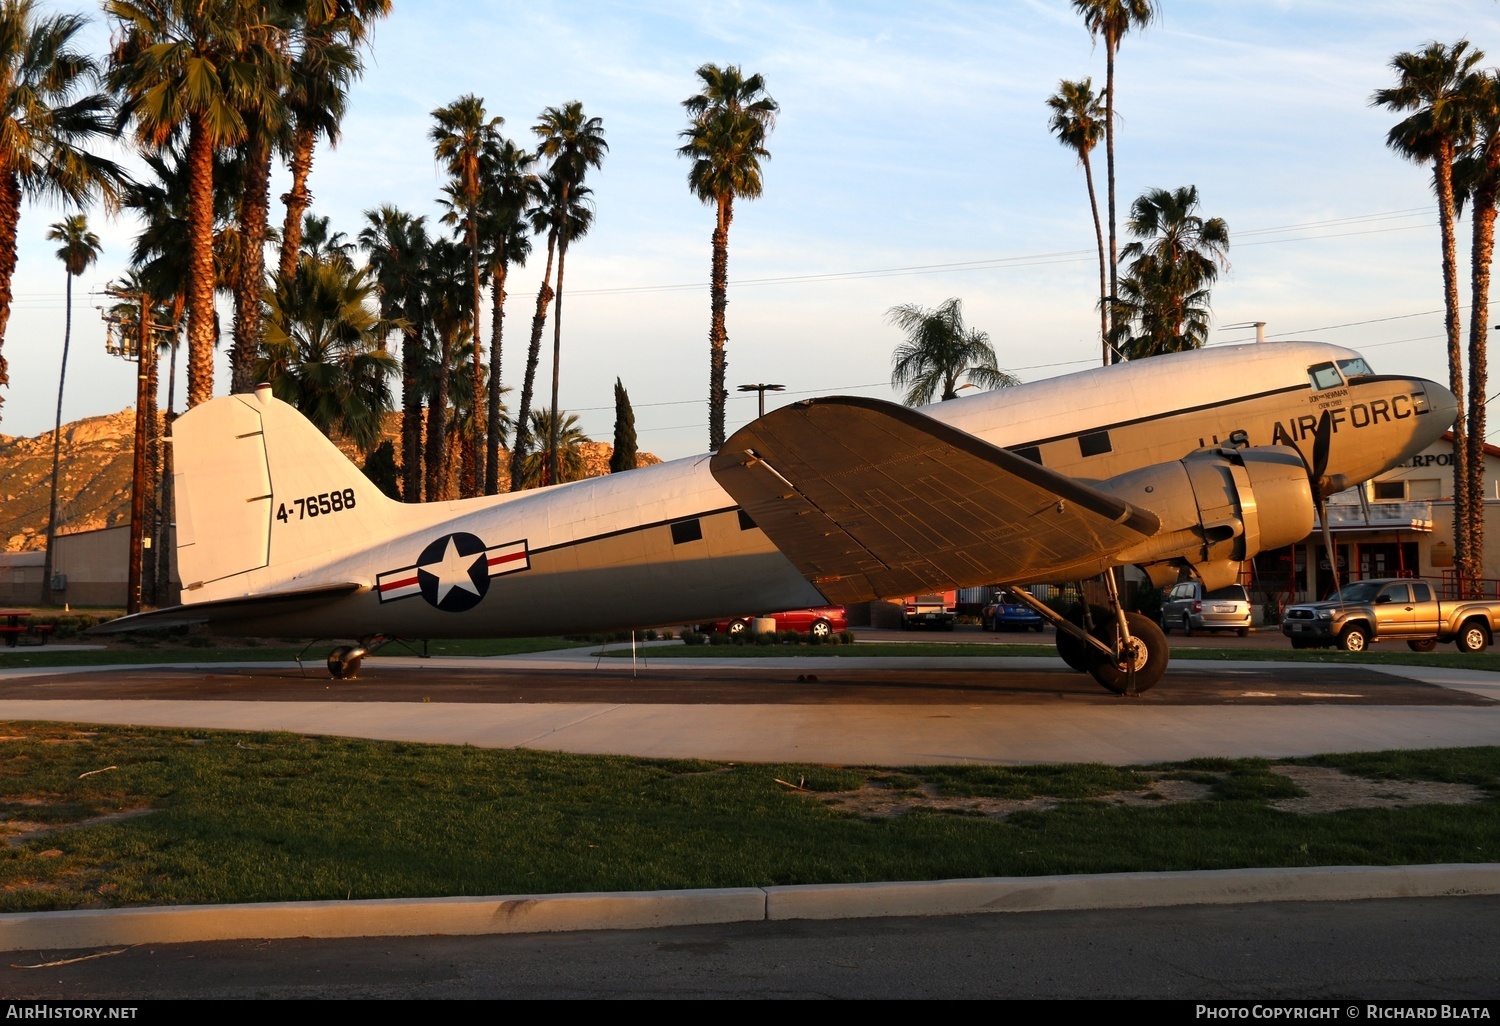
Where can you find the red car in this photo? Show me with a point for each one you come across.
(820, 621)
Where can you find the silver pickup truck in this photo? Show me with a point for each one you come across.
(1365, 612)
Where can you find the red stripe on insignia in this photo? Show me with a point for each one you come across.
(510, 558)
(392, 585)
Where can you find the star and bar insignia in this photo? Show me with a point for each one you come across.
(453, 573)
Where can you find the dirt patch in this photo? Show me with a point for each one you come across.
(1331, 790)
(1328, 790)
(15, 832)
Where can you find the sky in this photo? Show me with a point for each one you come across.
(911, 162)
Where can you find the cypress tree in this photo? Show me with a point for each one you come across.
(623, 458)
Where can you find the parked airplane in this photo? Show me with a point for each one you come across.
(1187, 462)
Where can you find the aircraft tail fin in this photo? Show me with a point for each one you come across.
(256, 485)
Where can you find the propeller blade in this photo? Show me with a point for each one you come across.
(1322, 442)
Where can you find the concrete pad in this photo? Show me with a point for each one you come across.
(888, 735)
(397, 917)
(1128, 890)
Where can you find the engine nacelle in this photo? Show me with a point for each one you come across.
(1218, 507)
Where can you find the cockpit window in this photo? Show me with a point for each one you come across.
(1324, 376)
(1355, 368)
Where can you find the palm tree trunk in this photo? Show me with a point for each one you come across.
(533, 356)
(200, 289)
(492, 429)
(553, 471)
(255, 211)
(411, 414)
(718, 335)
(297, 200)
(62, 378)
(1479, 329)
(1088, 176)
(437, 435)
(474, 444)
(10, 217)
(1443, 185)
(1109, 152)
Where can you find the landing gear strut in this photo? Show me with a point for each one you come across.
(1126, 653)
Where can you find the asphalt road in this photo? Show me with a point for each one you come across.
(1429, 949)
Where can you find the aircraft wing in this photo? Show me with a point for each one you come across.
(870, 499)
(245, 608)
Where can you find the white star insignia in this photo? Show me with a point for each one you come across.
(453, 571)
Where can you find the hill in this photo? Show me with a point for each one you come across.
(94, 477)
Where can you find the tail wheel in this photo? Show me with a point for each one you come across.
(1149, 654)
(344, 662)
(1473, 637)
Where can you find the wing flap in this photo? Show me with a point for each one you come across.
(869, 499)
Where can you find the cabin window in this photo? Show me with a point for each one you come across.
(1355, 368)
(1094, 444)
(1420, 592)
(1390, 491)
(746, 524)
(1395, 594)
(1325, 376)
(686, 531)
(1030, 452)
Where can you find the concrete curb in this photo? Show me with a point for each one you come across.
(546, 913)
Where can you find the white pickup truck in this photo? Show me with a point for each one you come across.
(1391, 609)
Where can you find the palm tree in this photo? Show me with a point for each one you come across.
(79, 249)
(574, 143)
(1477, 176)
(47, 117)
(1173, 264)
(1111, 20)
(321, 242)
(1431, 90)
(397, 246)
(324, 350)
(447, 319)
(545, 467)
(725, 139)
(1078, 123)
(939, 350)
(510, 188)
(261, 73)
(547, 216)
(460, 137)
(176, 63)
(325, 64)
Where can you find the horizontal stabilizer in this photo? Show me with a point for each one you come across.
(243, 608)
(869, 499)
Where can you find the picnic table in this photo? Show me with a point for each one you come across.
(13, 627)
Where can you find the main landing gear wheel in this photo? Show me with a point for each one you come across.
(1076, 653)
(1149, 654)
(343, 662)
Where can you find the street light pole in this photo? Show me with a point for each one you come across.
(145, 353)
(762, 389)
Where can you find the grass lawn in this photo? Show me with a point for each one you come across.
(107, 816)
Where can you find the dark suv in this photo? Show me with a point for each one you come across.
(1192, 608)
